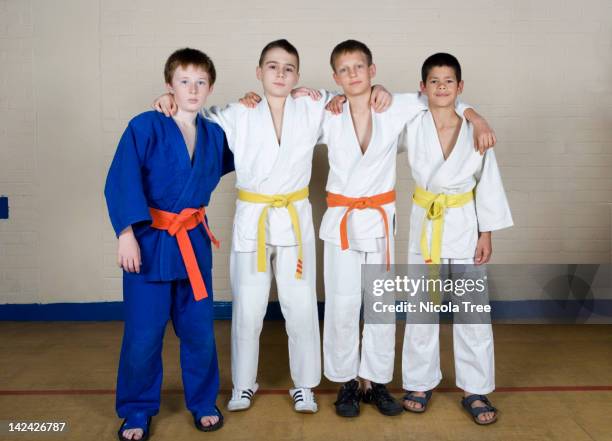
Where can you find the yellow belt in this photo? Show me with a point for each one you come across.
(435, 205)
(276, 201)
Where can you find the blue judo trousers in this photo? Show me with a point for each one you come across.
(148, 306)
(152, 169)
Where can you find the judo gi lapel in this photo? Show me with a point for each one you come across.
(178, 144)
(350, 126)
(358, 159)
(287, 128)
(204, 159)
(277, 154)
(443, 170)
(271, 144)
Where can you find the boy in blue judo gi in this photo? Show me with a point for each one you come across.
(158, 186)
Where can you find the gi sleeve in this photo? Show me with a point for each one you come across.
(461, 107)
(408, 105)
(227, 165)
(402, 143)
(327, 96)
(124, 192)
(225, 117)
(492, 209)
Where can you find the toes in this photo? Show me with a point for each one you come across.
(412, 404)
(133, 434)
(485, 417)
(209, 420)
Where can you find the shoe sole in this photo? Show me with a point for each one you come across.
(394, 413)
(348, 415)
(238, 409)
(306, 411)
(213, 428)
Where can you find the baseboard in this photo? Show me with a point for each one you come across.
(530, 310)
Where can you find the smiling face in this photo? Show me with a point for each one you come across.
(352, 73)
(190, 87)
(278, 72)
(442, 87)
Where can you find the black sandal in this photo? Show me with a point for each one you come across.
(423, 401)
(198, 424)
(136, 421)
(466, 402)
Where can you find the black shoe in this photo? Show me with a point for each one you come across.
(382, 399)
(349, 395)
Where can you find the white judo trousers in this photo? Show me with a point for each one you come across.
(472, 349)
(463, 171)
(343, 300)
(355, 174)
(298, 302)
(266, 166)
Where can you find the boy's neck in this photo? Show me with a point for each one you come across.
(360, 103)
(276, 103)
(444, 116)
(185, 117)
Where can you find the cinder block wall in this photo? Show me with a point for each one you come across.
(74, 72)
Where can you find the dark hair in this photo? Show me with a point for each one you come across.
(189, 57)
(438, 60)
(282, 44)
(348, 46)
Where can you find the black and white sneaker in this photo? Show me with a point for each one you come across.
(241, 399)
(303, 400)
(349, 395)
(382, 399)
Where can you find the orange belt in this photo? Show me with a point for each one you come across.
(178, 225)
(376, 202)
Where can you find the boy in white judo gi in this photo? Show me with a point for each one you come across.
(359, 225)
(459, 200)
(273, 232)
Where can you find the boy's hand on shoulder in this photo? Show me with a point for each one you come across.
(299, 92)
(250, 100)
(335, 104)
(165, 104)
(484, 249)
(381, 98)
(484, 136)
(128, 252)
